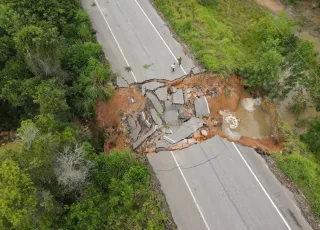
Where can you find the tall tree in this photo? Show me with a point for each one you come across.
(18, 197)
(52, 99)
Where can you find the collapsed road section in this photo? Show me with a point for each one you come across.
(159, 115)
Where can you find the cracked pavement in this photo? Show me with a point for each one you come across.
(210, 185)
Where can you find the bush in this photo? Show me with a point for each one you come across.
(305, 172)
(114, 166)
(312, 138)
(76, 58)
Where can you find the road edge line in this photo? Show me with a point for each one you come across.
(194, 199)
(263, 189)
(159, 35)
(114, 37)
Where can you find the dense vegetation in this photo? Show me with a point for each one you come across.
(55, 180)
(238, 36)
(51, 71)
(49, 62)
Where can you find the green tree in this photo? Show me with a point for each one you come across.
(132, 204)
(269, 28)
(51, 98)
(89, 213)
(76, 58)
(34, 11)
(112, 166)
(91, 86)
(41, 46)
(17, 87)
(266, 71)
(7, 50)
(18, 197)
(311, 138)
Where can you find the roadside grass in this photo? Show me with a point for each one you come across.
(300, 165)
(304, 171)
(215, 34)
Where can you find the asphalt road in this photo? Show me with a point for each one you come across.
(133, 34)
(219, 185)
(213, 185)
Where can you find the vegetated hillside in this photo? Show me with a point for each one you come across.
(238, 36)
(51, 71)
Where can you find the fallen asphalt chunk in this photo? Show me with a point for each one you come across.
(135, 128)
(156, 103)
(131, 122)
(185, 130)
(162, 93)
(171, 117)
(156, 117)
(201, 107)
(177, 97)
(144, 137)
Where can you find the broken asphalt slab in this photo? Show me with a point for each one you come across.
(144, 137)
(135, 128)
(156, 117)
(185, 130)
(162, 93)
(177, 97)
(171, 117)
(201, 107)
(156, 103)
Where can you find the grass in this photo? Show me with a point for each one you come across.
(128, 68)
(216, 35)
(300, 165)
(304, 171)
(147, 66)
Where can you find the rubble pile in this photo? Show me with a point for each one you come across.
(169, 119)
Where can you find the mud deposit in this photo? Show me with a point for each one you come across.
(161, 115)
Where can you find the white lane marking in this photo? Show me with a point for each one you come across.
(115, 39)
(169, 139)
(263, 189)
(194, 199)
(159, 35)
(205, 98)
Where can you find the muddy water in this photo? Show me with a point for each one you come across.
(252, 121)
(289, 118)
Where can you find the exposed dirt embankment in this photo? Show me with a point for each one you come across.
(109, 116)
(126, 116)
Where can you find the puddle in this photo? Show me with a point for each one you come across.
(252, 121)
